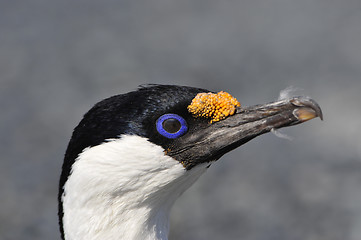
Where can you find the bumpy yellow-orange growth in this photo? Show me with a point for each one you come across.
(216, 106)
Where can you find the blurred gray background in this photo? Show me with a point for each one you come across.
(59, 57)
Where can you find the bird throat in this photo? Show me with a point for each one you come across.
(123, 189)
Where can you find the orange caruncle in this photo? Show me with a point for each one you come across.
(216, 106)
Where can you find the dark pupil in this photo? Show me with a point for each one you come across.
(171, 125)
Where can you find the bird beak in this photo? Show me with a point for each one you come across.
(213, 141)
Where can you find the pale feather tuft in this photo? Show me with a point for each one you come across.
(288, 92)
(278, 133)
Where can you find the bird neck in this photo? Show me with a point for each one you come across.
(123, 189)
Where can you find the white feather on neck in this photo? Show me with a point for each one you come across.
(123, 189)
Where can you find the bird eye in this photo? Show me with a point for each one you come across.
(171, 125)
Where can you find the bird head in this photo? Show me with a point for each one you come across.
(152, 139)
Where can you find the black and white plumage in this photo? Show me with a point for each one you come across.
(123, 170)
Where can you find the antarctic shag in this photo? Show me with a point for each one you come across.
(133, 154)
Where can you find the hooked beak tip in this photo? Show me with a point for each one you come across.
(308, 109)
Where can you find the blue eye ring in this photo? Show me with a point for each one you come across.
(171, 116)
